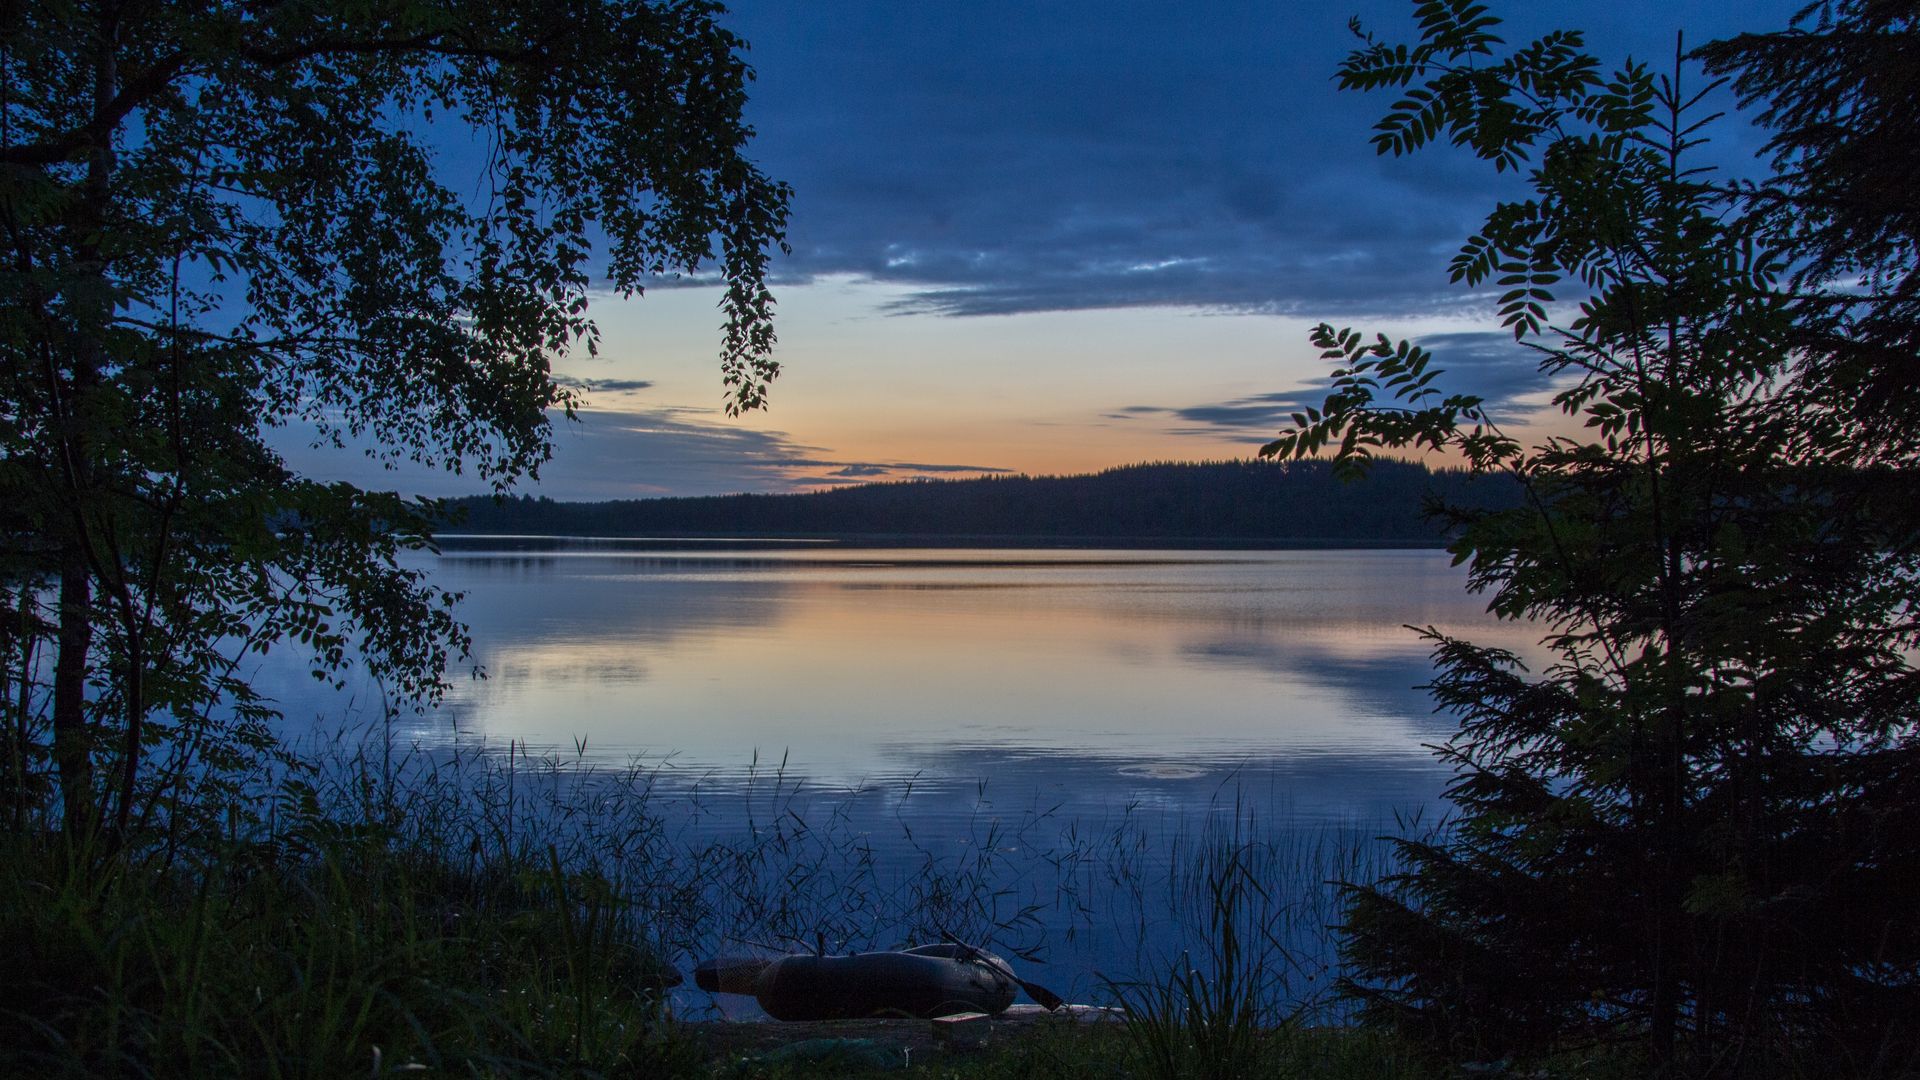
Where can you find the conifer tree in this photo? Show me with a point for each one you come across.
(1840, 92)
(1694, 828)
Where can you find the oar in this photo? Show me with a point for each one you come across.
(1042, 996)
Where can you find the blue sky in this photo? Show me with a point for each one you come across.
(1058, 236)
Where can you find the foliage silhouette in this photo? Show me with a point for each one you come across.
(1694, 830)
(225, 218)
(1226, 502)
(1841, 93)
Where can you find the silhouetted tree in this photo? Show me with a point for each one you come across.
(1695, 828)
(224, 217)
(1840, 91)
(1241, 501)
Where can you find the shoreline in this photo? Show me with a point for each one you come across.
(931, 541)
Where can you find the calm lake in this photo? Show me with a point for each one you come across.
(931, 701)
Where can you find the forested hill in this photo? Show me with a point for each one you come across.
(1232, 502)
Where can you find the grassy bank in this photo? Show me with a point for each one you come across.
(490, 914)
(354, 955)
(346, 934)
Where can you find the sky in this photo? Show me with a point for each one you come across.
(1060, 236)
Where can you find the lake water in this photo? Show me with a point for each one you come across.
(935, 704)
(1089, 676)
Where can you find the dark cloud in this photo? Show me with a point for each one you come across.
(1002, 156)
(589, 387)
(1261, 412)
(1255, 417)
(1491, 366)
(867, 471)
(874, 468)
(611, 454)
(689, 451)
(924, 467)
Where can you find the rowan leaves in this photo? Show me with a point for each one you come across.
(1709, 554)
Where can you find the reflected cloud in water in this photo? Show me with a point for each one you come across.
(1092, 679)
(1071, 723)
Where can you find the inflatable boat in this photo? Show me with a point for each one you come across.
(924, 982)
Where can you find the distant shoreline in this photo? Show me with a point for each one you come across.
(1242, 505)
(521, 541)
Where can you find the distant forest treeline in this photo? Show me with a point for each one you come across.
(1231, 502)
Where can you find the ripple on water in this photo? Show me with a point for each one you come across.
(1162, 770)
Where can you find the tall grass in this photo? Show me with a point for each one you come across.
(1260, 909)
(498, 913)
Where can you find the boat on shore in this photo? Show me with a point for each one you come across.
(924, 982)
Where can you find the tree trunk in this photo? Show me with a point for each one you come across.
(72, 741)
(136, 716)
(20, 750)
(72, 735)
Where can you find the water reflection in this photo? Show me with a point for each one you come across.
(1004, 710)
(1117, 675)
